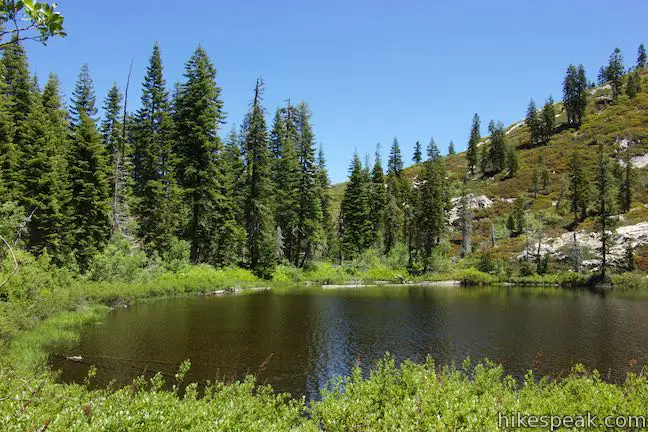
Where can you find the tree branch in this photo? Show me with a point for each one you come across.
(16, 266)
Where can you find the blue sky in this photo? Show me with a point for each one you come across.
(370, 70)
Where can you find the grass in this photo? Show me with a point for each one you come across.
(29, 350)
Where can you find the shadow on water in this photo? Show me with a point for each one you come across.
(298, 340)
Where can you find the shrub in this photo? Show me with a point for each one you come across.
(630, 281)
(120, 260)
(287, 274)
(471, 277)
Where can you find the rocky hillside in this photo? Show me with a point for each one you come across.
(622, 124)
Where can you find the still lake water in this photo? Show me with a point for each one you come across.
(298, 340)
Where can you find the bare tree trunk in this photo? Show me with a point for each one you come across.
(118, 195)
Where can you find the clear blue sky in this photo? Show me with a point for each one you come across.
(370, 70)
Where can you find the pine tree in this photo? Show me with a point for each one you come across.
(633, 87)
(83, 97)
(451, 148)
(8, 156)
(472, 153)
(418, 155)
(235, 170)
(431, 220)
(578, 188)
(603, 76)
(517, 217)
(512, 161)
(605, 203)
(285, 174)
(641, 56)
(465, 221)
(432, 150)
(212, 230)
(259, 219)
(309, 229)
(324, 186)
(393, 218)
(548, 120)
(18, 92)
(570, 94)
(497, 149)
(533, 123)
(397, 189)
(581, 90)
(615, 72)
(89, 198)
(625, 185)
(377, 200)
(395, 162)
(156, 190)
(111, 127)
(355, 221)
(44, 183)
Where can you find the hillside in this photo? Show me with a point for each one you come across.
(620, 124)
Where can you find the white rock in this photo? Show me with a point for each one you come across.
(476, 202)
(558, 247)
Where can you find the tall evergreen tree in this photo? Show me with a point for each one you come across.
(156, 190)
(89, 198)
(615, 72)
(324, 185)
(575, 94)
(432, 150)
(397, 187)
(309, 229)
(581, 90)
(83, 97)
(641, 56)
(355, 220)
(548, 116)
(451, 148)
(606, 205)
(235, 170)
(393, 219)
(58, 127)
(512, 160)
(259, 219)
(497, 148)
(18, 92)
(286, 175)
(431, 212)
(578, 188)
(111, 127)
(44, 184)
(211, 229)
(377, 200)
(418, 154)
(625, 185)
(395, 162)
(465, 221)
(8, 156)
(633, 87)
(472, 153)
(534, 123)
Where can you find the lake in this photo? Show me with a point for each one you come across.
(297, 340)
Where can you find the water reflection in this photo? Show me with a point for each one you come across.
(297, 341)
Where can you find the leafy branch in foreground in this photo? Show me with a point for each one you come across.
(29, 20)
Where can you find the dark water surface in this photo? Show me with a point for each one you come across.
(296, 341)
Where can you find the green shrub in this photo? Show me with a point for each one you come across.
(287, 274)
(471, 277)
(630, 281)
(119, 261)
